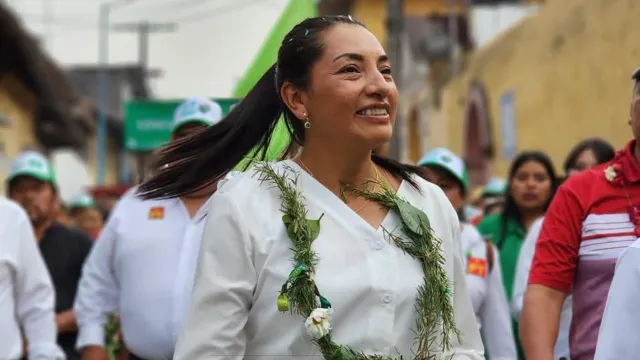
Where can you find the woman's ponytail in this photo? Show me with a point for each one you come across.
(193, 163)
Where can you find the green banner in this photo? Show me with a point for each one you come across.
(147, 124)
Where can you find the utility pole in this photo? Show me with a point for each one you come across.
(395, 31)
(452, 22)
(144, 29)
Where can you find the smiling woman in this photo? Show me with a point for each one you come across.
(295, 254)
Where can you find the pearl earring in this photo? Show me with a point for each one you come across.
(307, 123)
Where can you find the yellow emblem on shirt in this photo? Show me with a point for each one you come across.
(477, 266)
(156, 213)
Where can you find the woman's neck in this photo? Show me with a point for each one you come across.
(331, 168)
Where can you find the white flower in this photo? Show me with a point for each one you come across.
(317, 324)
(610, 173)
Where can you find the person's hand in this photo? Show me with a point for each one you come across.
(94, 353)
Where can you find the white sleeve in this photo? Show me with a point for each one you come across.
(35, 296)
(523, 267)
(223, 289)
(620, 326)
(98, 289)
(470, 345)
(496, 318)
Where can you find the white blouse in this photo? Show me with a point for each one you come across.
(245, 258)
(488, 297)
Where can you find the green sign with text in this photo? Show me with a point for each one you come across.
(147, 124)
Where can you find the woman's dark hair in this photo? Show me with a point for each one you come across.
(511, 209)
(198, 161)
(602, 150)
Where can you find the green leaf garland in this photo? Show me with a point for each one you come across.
(299, 294)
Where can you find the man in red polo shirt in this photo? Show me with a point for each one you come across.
(588, 225)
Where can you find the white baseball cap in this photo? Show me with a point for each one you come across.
(32, 164)
(445, 159)
(197, 109)
(82, 201)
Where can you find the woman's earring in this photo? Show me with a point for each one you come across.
(307, 123)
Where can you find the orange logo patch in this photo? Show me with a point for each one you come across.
(476, 266)
(156, 213)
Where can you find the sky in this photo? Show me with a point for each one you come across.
(209, 48)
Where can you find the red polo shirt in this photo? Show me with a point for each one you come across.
(585, 229)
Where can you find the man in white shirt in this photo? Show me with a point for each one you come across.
(26, 291)
(143, 263)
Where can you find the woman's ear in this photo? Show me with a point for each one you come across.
(293, 98)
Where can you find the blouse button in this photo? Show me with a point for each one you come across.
(377, 245)
(386, 299)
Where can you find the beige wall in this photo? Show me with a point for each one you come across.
(17, 104)
(570, 68)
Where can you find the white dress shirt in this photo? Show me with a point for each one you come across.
(488, 296)
(246, 257)
(141, 267)
(619, 336)
(26, 292)
(525, 259)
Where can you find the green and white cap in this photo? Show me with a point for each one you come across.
(446, 160)
(82, 201)
(197, 109)
(495, 187)
(32, 164)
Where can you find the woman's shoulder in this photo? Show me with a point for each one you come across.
(251, 187)
(427, 190)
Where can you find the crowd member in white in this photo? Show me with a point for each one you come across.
(143, 263)
(620, 326)
(583, 156)
(26, 292)
(359, 292)
(483, 276)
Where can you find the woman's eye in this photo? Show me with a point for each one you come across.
(349, 69)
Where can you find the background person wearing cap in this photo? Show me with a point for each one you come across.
(86, 215)
(490, 199)
(143, 264)
(484, 279)
(493, 196)
(32, 184)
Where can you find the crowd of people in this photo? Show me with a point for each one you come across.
(333, 251)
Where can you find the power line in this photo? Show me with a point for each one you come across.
(80, 24)
(219, 11)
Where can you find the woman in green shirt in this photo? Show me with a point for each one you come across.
(530, 187)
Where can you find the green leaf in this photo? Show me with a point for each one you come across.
(291, 231)
(287, 219)
(343, 353)
(314, 229)
(413, 218)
